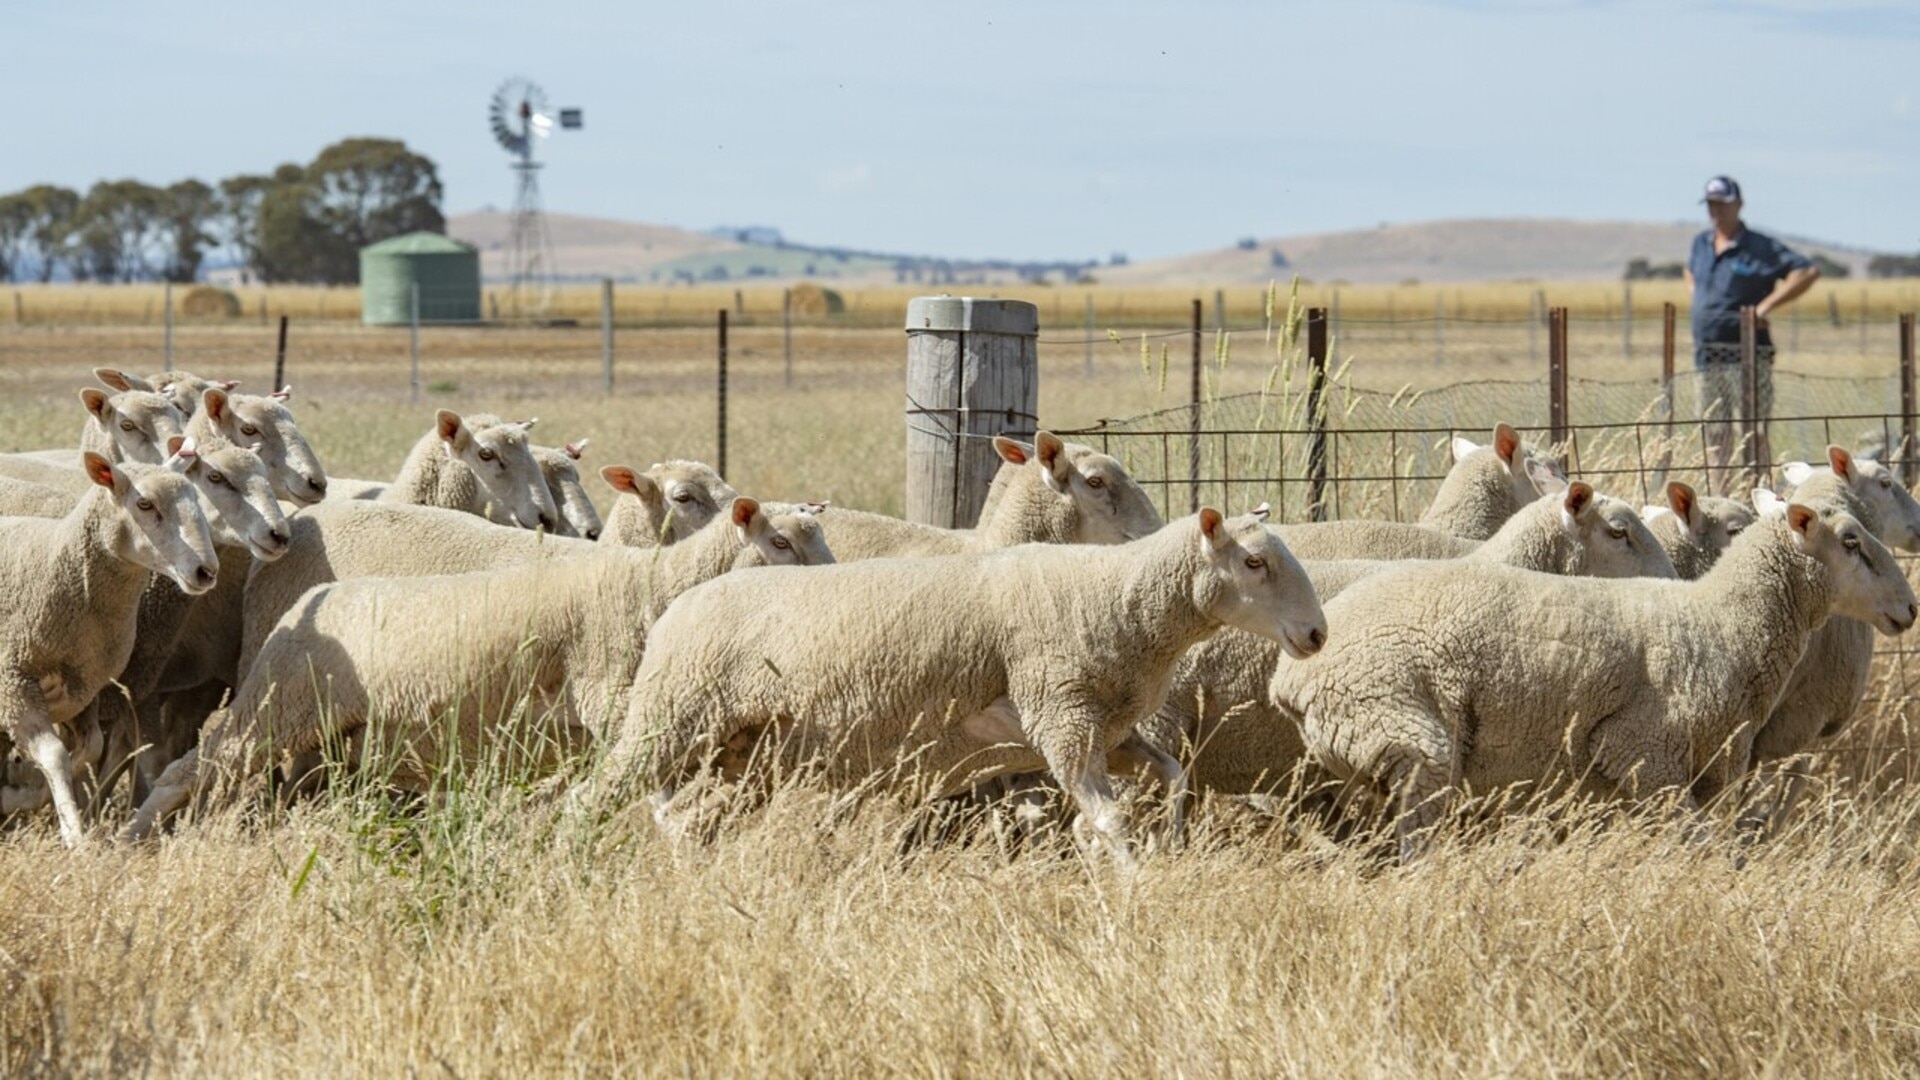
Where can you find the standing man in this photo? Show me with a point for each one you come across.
(1732, 267)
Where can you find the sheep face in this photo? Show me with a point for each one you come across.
(1894, 510)
(140, 422)
(1253, 583)
(169, 533)
(676, 498)
(577, 514)
(262, 424)
(1867, 584)
(1612, 540)
(502, 460)
(235, 484)
(1101, 502)
(788, 537)
(1531, 474)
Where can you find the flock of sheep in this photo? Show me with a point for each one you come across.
(171, 621)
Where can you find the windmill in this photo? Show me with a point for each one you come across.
(520, 116)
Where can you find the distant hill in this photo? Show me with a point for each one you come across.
(1487, 249)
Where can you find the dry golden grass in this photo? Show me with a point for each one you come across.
(482, 934)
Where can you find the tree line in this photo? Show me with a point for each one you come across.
(299, 223)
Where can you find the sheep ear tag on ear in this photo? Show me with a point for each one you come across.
(281, 394)
(182, 452)
(1262, 512)
(574, 450)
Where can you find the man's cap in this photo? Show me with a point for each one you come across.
(1722, 189)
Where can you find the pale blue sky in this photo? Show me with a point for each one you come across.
(1041, 129)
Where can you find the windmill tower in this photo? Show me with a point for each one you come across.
(520, 116)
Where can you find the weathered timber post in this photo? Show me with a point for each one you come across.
(972, 373)
(1316, 415)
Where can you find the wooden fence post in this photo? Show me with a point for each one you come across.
(1557, 375)
(721, 463)
(1668, 317)
(1907, 449)
(280, 360)
(1316, 414)
(972, 373)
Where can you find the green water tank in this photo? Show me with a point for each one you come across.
(446, 271)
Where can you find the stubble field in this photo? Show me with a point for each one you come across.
(484, 934)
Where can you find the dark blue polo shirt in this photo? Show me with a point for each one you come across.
(1738, 277)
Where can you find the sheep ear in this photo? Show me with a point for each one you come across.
(234, 384)
(96, 403)
(1802, 519)
(1842, 462)
(1796, 472)
(100, 471)
(1685, 504)
(281, 394)
(818, 508)
(180, 446)
(1506, 442)
(745, 513)
(574, 450)
(214, 400)
(1767, 504)
(624, 478)
(1263, 511)
(1462, 446)
(526, 425)
(1011, 452)
(1053, 456)
(453, 430)
(1546, 479)
(1579, 499)
(120, 380)
(1212, 526)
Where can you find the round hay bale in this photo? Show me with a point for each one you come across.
(207, 301)
(812, 300)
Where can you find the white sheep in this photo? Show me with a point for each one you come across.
(1488, 484)
(563, 637)
(263, 424)
(959, 667)
(1217, 714)
(1049, 491)
(1695, 529)
(464, 466)
(667, 503)
(1470, 676)
(184, 388)
(74, 585)
(1830, 681)
(558, 465)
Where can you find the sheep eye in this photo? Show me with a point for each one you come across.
(1617, 532)
(1255, 562)
(1886, 481)
(126, 425)
(683, 497)
(145, 504)
(249, 429)
(217, 478)
(1096, 481)
(1734, 530)
(1850, 542)
(782, 543)
(486, 454)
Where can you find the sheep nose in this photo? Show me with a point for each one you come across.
(1317, 638)
(593, 534)
(203, 575)
(317, 485)
(276, 538)
(547, 523)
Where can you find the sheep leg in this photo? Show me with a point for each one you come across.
(33, 732)
(1068, 744)
(1423, 799)
(1135, 749)
(231, 748)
